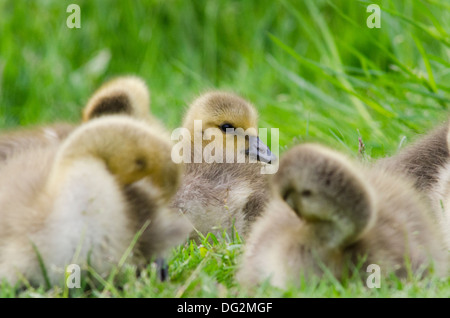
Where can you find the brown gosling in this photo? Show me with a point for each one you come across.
(427, 163)
(217, 196)
(330, 212)
(74, 206)
(423, 159)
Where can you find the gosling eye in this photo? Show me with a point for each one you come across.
(226, 126)
(287, 194)
(141, 164)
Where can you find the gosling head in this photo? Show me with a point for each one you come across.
(232, 117)
(127, 95)
(327, 191)
(130, 150)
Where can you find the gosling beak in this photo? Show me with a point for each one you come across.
(257, 149)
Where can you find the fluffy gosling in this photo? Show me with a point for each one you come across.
(216, 196)
(75, 205)
(329, 212)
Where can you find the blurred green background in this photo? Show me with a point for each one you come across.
(312, 68)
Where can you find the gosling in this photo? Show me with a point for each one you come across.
(69, 203)
(329, 212)
(218, 196)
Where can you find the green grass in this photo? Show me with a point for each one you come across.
(207, 270)
(312, 68)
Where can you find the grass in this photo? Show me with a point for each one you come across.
(207, 270)
(312, 68)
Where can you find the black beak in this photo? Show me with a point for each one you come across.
(257, 149)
